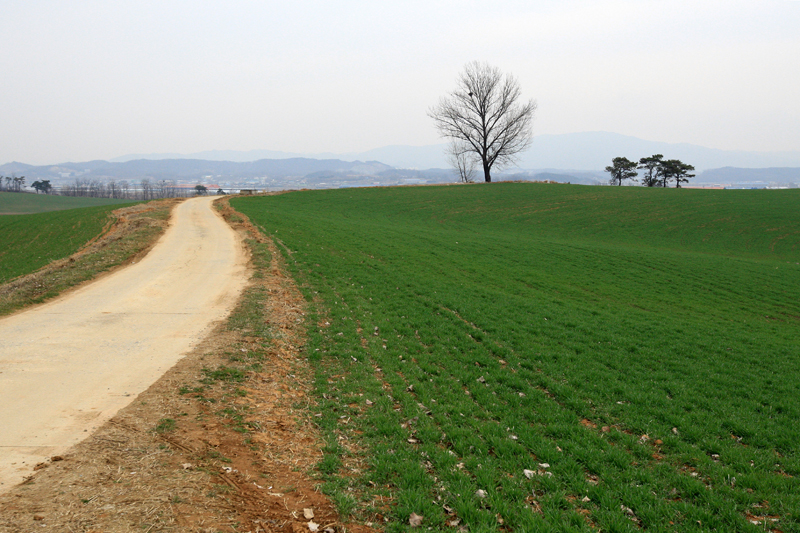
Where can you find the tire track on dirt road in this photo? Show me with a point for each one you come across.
(67, 366)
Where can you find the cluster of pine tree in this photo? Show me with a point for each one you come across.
(658, 172)
(12, 183)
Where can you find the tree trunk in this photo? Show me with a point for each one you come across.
(487, 173)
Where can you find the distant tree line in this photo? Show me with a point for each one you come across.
(12, 183)
(658, 172)
(144, 189)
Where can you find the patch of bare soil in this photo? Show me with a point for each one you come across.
(210, 447)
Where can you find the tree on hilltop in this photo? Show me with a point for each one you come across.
(485, 118)
(621, 170)
(19, 183)
(677, 171)
(654, 166)
(42, 186)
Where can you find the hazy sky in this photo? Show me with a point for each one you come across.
(87, 80)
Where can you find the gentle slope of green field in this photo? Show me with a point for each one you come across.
(29, 242)
(24, 203)
(634, 350)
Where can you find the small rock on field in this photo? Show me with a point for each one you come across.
(529, 473)
(308, 513)
(313, 526)
(480, 493)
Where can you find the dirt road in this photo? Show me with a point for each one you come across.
(69, 365)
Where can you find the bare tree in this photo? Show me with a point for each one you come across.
(79, 187)
(161, 188)
(463, 159)
(485, 113)
(97, 189)
(147, 189)
(113, 189)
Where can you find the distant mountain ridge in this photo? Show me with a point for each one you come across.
(578, 157)
(590, 151)
(595, 150)
(193, 169)
(739, 175)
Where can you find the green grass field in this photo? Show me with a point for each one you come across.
(28, 242)
(23, 203)
(612, 358)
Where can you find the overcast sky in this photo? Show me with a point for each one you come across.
(87, 80)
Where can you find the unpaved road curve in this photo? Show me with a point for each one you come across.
(67, 366)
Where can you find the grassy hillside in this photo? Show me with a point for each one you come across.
(587, 357)
(28, 242)
(22, 203)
